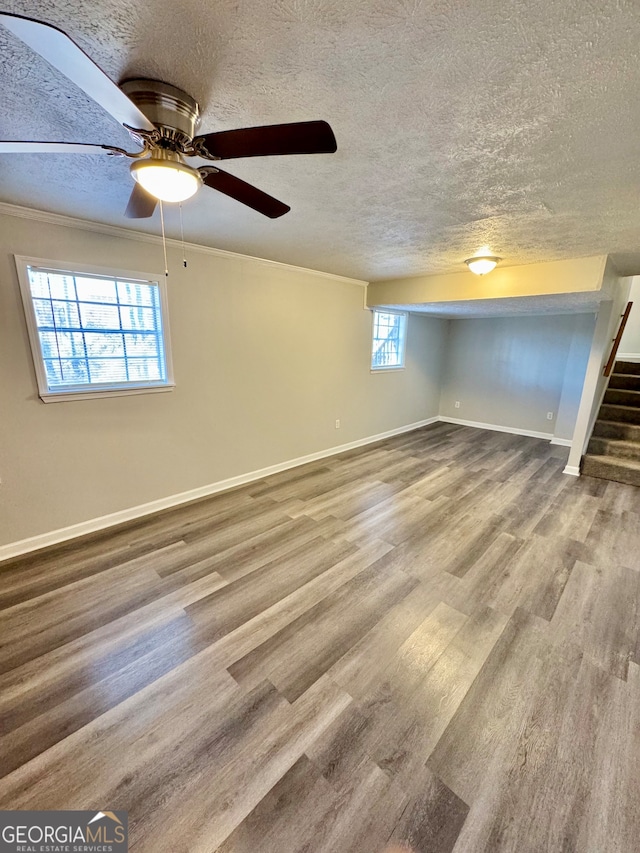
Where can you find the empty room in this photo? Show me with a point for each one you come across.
(319, 426)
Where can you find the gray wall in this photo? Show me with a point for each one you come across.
(511, 371)
(574, 374)
(630, 343)
(265, 358)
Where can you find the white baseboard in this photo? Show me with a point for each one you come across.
(496, 428)
(572, 469)
(43, 540)
(564, 442)
(628, 356)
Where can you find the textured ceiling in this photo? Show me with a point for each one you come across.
(465, 123)
(561, 303)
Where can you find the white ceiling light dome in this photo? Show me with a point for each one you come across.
(166, 177)
(482, 264)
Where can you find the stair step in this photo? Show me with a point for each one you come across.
(614, 412)
(625, 380)
(608, 468)
(615, 429)
(615, 448)
(628, 367)
(622, 397)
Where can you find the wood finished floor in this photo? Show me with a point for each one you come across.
(431, 641)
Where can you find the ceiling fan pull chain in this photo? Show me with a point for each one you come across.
(164, 239)
(184, 260)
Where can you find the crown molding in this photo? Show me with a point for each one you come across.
(20, 212)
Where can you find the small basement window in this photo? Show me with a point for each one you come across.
(95, 332)
(389, 339)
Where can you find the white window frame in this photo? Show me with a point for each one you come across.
(384, 368)
(48, 395)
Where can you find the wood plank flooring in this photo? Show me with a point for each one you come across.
(431, 644)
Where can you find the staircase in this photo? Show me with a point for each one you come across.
(614, 449)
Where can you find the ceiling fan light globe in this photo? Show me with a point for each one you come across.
(166, 180)
(482, 265)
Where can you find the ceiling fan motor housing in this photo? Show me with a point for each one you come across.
(175, 113)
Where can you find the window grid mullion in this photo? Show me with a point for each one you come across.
(159, 340)
(84, 341)
(55, 330)
(124, 346)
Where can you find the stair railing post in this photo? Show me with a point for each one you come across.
(616, 341)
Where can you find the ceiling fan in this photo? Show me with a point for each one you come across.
(163, 120)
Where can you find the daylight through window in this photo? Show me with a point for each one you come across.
(96, 332)
(389, 336)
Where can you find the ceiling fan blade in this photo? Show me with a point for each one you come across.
(244, 193)
(65, 55)
(141, 204)
(305, 137)
(51, 148)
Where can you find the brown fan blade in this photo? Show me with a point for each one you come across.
(64, 54)
(244, 193)
(305, 137)
(141, 204)
(51, 148)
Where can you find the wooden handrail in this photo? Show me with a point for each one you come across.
(616, 341)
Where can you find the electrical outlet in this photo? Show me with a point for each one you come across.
(337, 423)
(549, 416)
(457, 404)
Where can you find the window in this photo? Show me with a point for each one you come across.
(389, 337)
(95, 332)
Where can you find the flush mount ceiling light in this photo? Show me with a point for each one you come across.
(483, 264)
(166, 177)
